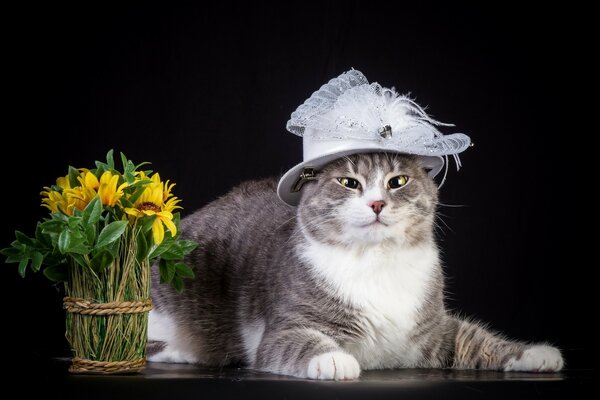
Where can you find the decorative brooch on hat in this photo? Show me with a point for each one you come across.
(349, 115)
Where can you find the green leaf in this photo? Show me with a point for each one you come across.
(73, 175)
(174, 252)
(64, 241)
(100, 165)
(11, 252)
(111, 215)
(137, 167)
(167, 271)
(36, 261)
(187, 245)
(79, 249)
(137, 184)
(176, 219)
(74, 222)
(101, 169)
(110, 159)
(41, 237)
(183, 270)
(142, 246)
(77, 236)
(57, 273)
(92, 212)
(22, 238)
(79, 259)
(114, 248)
(136, 195)
(90, 234)
(54, 258)
(161, 248)
(52, 226)
(101, 260)
(124, 161)
(128, 172)
(147, 222)
(60, 217)
(128, 169)
(126, 203)
(18, 245)
(23, 266)
(111, 232)
(177, 283)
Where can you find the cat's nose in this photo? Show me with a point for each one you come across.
(377, 206)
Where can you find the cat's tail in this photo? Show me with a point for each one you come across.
(478, 347)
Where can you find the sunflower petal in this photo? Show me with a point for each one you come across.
(165, 214)
(133, 211)
(105, 178)
(63, 182)
(170, 225)
(91, 181)
(122, 186)
(171, 204)
(158, 232)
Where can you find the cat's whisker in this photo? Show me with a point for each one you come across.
(441, 219)
(285, 222)
(452, 205)
(349, 160)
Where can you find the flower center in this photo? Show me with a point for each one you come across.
(149, 206)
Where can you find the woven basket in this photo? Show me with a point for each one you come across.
(107, 314)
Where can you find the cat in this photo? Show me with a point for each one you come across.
(349, 280)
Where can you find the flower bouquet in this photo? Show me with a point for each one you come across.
(105, 229)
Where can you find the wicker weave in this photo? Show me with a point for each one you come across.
(83, 366)
(86, 307)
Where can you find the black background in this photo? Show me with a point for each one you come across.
(204, 92)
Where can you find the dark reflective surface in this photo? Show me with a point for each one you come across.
(166, 381)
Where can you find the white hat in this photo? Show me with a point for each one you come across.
(349, 116)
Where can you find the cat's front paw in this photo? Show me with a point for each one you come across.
(333, 365)
(538, 358)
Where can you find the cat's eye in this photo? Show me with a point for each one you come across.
(397, 182)
(350, 183)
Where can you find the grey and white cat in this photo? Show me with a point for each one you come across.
(349, 280)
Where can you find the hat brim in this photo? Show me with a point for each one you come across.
(287, 182)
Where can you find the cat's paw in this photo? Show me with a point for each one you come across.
(168, 355)
(333, 365)
(538, 358)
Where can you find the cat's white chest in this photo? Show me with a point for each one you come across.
(388, 286)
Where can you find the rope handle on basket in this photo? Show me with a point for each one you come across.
(81, 306)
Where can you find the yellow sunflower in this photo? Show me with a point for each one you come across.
(80, 196)
(55, 201)
(157, 200)
(107, 188)
(67, 199)
(63, 182)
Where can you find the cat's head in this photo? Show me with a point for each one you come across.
(372, 198)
